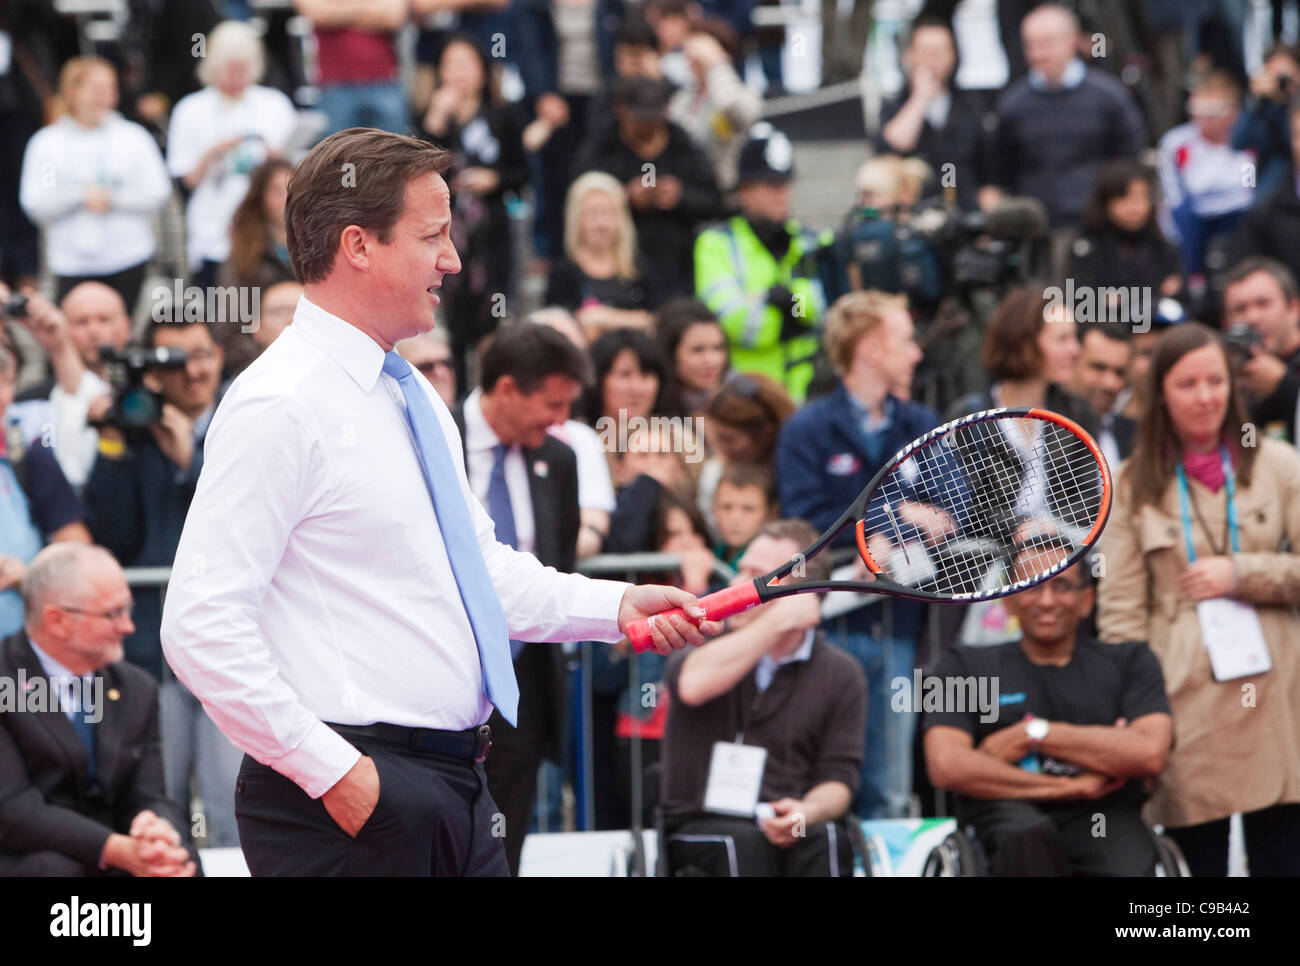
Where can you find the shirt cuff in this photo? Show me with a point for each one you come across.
(318, 763)
(595, 616)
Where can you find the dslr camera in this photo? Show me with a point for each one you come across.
(1240, 341)
(135, 406)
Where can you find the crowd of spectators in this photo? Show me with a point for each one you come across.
(723, 378)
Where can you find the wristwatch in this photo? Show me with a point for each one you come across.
(1036, 729)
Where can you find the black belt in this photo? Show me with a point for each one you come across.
(471, 744)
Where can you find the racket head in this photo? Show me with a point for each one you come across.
(1004, 478)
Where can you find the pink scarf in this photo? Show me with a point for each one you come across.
(1206, 468)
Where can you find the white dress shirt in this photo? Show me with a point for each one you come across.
(480, 446)
(74, 698)
(312, 583)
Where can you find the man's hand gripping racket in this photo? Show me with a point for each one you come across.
(944, 518)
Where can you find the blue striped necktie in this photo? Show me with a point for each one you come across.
(472, 579)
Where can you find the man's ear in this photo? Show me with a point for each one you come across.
(354, 243)
(1087, 600)
(55, 620)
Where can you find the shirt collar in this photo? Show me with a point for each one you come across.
(478, 434)
(768, 665)
(355, 352)
(864, 417)
(1072, 77)
(53, 669)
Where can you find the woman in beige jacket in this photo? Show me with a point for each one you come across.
(1237, 741)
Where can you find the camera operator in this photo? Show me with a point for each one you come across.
(1261, 308)
(137, 498)
(91, 317)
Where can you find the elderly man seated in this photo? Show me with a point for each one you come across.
(1051, 773)
(763, 744)
(81, 777)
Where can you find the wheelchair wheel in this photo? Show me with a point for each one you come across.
(955, 857)
(864, 851)
(1170, 863)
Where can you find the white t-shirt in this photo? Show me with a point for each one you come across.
(62, 161)
(595, 488)
(264, 117)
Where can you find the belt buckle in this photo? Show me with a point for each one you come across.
(482, 744)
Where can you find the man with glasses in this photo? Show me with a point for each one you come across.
(80, 767)
(430, 354)
(1047, 741)
(137, 498)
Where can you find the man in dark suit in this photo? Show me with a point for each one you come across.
(1100, 376)
(81, 775)
(528, 481)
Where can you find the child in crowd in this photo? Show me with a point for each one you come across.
(742, 503)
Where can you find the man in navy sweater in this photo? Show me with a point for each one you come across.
(1060, 123)
(826, 454)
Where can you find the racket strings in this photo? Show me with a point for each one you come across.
(997, 490)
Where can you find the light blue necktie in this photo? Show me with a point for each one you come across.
(467, 565)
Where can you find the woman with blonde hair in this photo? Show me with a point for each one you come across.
(94, 181)
(1200, 563)
(601, 280)
(218, 135)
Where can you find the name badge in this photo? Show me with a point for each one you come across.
(1233, 636)
(735, 778)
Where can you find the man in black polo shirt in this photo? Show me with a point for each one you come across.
(770, 683)
(1051, 778)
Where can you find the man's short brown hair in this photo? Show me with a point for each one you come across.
(802, 533)
(852, 317)
(355, 177)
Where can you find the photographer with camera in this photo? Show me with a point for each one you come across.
(91, 318)
(137, 498)
(1264, 127)
(1261, 309)
(1271, 225)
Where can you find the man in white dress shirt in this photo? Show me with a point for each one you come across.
(314, 607)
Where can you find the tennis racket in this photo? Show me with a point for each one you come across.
(945, 518)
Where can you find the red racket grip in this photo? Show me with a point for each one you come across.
(723, 604)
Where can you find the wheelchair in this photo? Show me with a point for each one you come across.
(961, 855)
(866, 858)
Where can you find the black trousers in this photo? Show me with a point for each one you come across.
(517, 753)
(1094, 839)
(1272, 843)
(715, 845)
(435, 816)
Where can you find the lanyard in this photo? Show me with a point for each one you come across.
(1184, 498)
